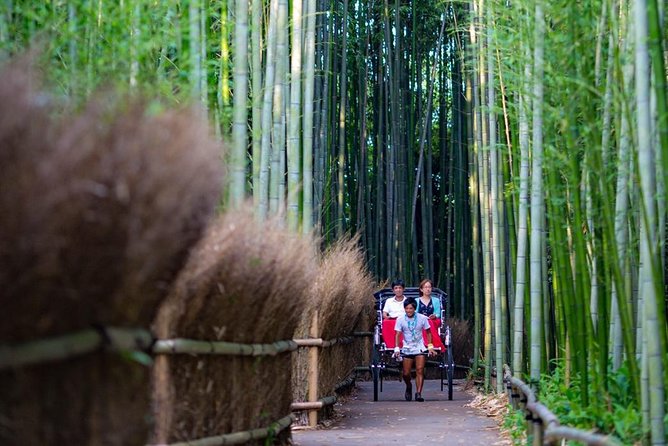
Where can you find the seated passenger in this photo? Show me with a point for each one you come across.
(410, 325)
(427, 305)
(394, 307)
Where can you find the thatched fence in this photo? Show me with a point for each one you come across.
(131, 314)
(342, 305)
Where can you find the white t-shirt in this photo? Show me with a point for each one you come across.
(394, 308)
(412, 331)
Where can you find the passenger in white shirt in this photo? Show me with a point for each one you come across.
(394, 307)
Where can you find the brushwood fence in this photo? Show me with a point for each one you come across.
(543, 425)
(141, 346)
(117, 269)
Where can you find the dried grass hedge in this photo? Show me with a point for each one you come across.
(97, 213)
(244, 283)
(343, 297)
(462, 344)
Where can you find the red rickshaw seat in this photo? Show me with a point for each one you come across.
(389, 334)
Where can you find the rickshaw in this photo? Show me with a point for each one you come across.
(383, 341)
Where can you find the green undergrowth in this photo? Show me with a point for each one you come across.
(612, 411)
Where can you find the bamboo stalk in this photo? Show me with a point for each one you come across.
(569, 433)
(118, 339)
(319, 342)
(239, 437)
(345, 383)
(176, 346)
(72, 345)
(313, 405)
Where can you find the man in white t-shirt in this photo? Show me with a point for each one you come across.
(394, 307)
(410, 325)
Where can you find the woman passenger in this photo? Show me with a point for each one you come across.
(427, 305)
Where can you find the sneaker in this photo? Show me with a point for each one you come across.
(418, 397)
(409, 392)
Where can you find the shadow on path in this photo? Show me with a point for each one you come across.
(393, 421)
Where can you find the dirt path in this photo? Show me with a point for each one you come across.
(394, 421)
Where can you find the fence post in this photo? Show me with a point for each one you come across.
(313, 372)
(537, 431)
(510, 394)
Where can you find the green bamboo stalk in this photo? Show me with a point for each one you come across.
(72, 345)
(267, 105)
(655, 42)
(494, 202)
(72, 46)
(476, 137)
(276, 177)
(537, 217)
(309, 96)
(195, 42)
(294, 122)
(194, 347)
(650, 256)
(582, 332)
(240, 112)
(242, 437)
(257, 96)
(624, 329)
(343, 94)
(123, 339)
(562, 276)
(521, 261)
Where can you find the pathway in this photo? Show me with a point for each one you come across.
(394, 421)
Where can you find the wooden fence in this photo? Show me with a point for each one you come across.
(543, 425)
(141, 342)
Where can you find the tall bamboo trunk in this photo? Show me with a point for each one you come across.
(240, 119)
(522, 234)
(309, 97)
(267, 105)
(537, 214)
(257, 95)
(341, 156)
(294, 126)
(650, 256)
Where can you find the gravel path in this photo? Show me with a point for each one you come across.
(394, 421)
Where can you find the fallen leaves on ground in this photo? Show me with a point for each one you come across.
(493, 405)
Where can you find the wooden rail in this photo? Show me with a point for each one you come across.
(87, 341)
(239, 437)
(314, 343)
(545, 425)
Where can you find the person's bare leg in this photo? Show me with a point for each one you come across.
(419, 374)
(406, 374)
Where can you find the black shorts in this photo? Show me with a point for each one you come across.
(413, 356)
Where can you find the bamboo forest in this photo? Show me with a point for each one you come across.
(513, 151)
